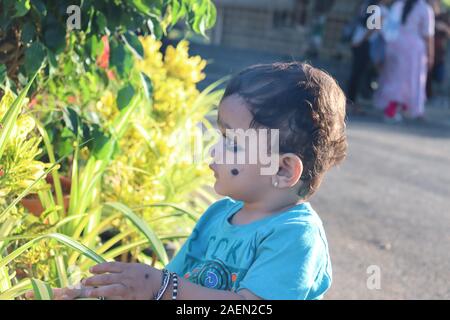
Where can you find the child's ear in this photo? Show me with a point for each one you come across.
(290, 170)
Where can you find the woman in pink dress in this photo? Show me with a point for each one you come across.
(409, 56)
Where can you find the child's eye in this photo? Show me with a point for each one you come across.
(230, 144)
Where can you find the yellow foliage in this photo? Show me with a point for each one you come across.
(151, 169)
(18, 166)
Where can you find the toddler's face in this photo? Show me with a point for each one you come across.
(247, 183)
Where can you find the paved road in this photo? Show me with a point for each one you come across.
(388, 205)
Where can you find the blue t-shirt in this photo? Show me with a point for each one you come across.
(283, 256)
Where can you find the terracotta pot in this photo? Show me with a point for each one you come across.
(66, 183)
(34, 205)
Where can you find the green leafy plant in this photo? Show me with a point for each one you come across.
(20, 173)
(71, 238)
(41, 290)
(31, 30)
(107, 113)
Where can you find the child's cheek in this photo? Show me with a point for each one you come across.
(222, 184)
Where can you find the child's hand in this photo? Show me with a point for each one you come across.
(130, 281)
(62, 294)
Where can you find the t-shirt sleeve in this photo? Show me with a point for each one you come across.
(177, 264)
(291, 264)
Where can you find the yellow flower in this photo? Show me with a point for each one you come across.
(107, 106)
(152, 63)
(148, 168)
(5, 102)
(25, 124)
(180, 65)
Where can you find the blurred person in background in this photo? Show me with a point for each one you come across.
(365, 46)
(409, 57)
(442, 34)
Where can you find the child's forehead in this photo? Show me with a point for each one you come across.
(233, 113)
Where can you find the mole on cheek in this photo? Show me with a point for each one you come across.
(146, 276)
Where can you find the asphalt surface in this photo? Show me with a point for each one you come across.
(388, 205)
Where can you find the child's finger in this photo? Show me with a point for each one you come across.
(66, 294)
(112, 267)
(112, 290)
(58, 293)
(29, 294)
(101, 280)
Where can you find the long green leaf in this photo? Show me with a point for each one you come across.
(93, 233)
(207, 91)
(93, 223)
(64, 221)
(84, 187)
(28, 189)
(42, 290)
(88, 192)
(50, 207)
(111, 242)
(144, 133)
(173, 215)
(55, 174)
(155, 242)
(61, 270)
(107, 245)
(194, 217)
(5, 280)
(75, 184)
(19, 289)
(9, 119)
(81, 225)
(99, 228)
(58, 237)
(5, 228)
(125, 248)
(121, 122)
(12, 238)
(175, 236)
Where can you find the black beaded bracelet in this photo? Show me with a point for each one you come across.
(175, 286)
(164, 284)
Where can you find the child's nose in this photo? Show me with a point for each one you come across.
(212, 151)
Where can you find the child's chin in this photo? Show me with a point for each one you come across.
(219, 189)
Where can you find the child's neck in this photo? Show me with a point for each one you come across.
(253, 211)
(269, 206)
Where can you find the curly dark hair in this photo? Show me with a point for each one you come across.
(306, 105)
